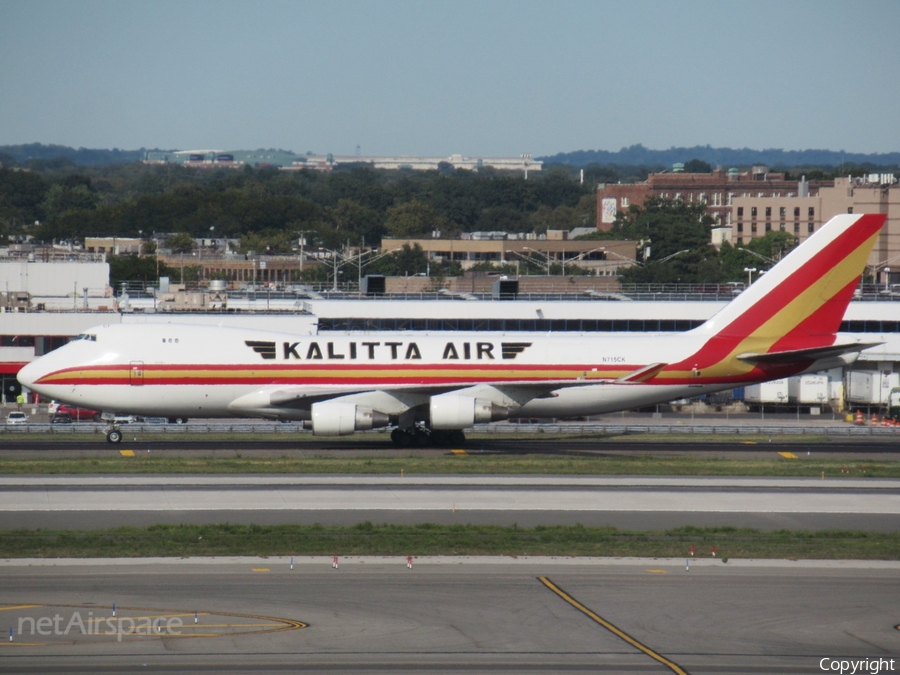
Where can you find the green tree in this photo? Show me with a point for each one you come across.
(413, 219)
(770, 249)
(22, 194)
(408, 261)
(267, 242)
(61, 199)
(697, 166)
(677, 237)
(541, 219)
(501, 219)
(182, 242)
(774, 244)
(586, 211)
(135, 268)
(351, 220)
(665, 226)
(698, 265)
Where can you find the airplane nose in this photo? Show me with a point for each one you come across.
(28, 375)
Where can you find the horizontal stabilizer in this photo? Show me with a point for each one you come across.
(642, 374)
(811, 354)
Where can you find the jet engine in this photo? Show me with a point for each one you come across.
(456, 411)
(337, 418)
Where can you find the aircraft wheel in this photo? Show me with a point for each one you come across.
(178, 420)
(401, 437)
(421, 438)
(440, 438)
(457, 437)
(113, 436)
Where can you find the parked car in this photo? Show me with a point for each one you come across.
(61, 418)
(79, 414)
(16, 417)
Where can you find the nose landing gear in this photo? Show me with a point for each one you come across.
(113, 435)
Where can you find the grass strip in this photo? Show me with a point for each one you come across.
(813, 466)
(420, 540)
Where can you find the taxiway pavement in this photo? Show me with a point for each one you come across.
(497, 615)
(74, 502)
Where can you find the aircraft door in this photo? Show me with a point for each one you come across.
(136, 376)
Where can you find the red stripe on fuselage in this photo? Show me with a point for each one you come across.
(340, 374)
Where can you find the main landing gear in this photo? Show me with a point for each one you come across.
(420, 436)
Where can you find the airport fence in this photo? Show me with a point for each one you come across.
(592, 429)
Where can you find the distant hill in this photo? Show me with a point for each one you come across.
(635, 155)
(638, 155)
(82, 156)
(101, 157)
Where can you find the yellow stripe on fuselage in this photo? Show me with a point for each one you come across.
(383, 372)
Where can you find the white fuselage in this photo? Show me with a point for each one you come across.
(199, 371)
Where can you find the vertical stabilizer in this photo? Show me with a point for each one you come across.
(797, 305)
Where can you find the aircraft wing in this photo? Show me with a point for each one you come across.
(302, 398)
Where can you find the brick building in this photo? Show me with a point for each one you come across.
(748, 205)
(803, 214)
(717, 189)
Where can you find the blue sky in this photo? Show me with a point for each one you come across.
(488, 77)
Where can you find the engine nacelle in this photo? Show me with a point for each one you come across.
(456, 411)
(336, 418)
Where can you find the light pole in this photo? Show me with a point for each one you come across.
(301, 241)
(580, 256)
(338, 261)
(545, 256)
(212, 234)
(749, 271)
(530, 260)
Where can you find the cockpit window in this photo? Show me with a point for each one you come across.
(85, 336)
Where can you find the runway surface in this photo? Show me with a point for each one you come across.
(75, 502)
(855, 448)
(445, 616)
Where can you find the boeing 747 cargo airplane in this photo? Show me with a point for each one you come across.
(433, 386)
